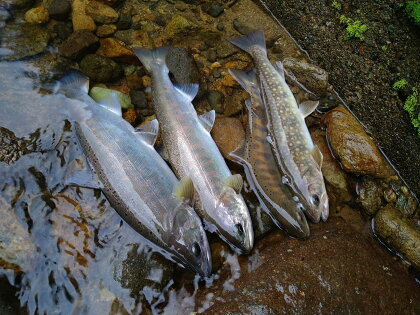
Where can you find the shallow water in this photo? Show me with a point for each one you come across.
(67, 250)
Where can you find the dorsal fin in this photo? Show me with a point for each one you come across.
(307, 107)
(71, 82)
(234, 181)
(149, 131)
(189, 91)
(317, 155)
(184, 191)
(111, 103)
(279, 67)
(207, 120)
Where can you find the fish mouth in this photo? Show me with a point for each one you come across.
(246, 240)
(314, 215)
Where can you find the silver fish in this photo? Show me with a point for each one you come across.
(261, 169)
(135, 179)
(192, 152)
(289, 135)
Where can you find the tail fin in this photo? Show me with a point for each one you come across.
(255, 38)
(150, 57)
(248, 80)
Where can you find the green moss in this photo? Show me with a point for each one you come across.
(399, 84)
(412, 106)
(355, 29)
(413, 10)
(336, 5)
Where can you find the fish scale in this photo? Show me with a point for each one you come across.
(296, 155)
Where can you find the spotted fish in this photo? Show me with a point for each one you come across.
(192, 152)
(289, 137)
(261, 169)
(137, 182)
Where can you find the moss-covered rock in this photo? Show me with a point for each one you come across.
(100, 69)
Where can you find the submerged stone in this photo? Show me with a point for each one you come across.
(370, 195)
(100, 69)
(37, 15)
(79, 44)
(101, 13)
(228, 133)
(182, 66)
(59, 9)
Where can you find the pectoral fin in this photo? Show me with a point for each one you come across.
(239, 154)
(189, 91)
(80, 174)
(307, 107)
(149, 132)
(184, 191)
(234, 181)
(207, 119)
(111, 103)
(317, 155)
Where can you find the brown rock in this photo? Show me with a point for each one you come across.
(286, 47)
(106, 30)
(134, 81)
(331, 170)
(79, 44)
(336, 271)
(37, 15)
(130, 115)
(101, 13)
(370, 195)
(399, 233)
(228, 133)
(79, 18)
(117, 50)
(109, 2)
(350, 143)
(312, 77)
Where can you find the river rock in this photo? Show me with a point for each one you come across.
(79, 44)
(117, 50)
(101, 13)
(100, 69)
(103, 95)
(333, 173)
(399, 233)
(216, 101)
(37, 15)
(182, 65)
(124, 21)
(286, 47)
(106, 30)
(228, 133)
(17, 4)
(138, 98)
(312, 77)
(79, 18)
(350, 143)
(110, 2)
(370, 195)
(20, 41)
(242, 27)
(179, 25)
(59, 9)
(336, 271)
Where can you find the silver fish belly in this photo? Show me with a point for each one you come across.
(289, 135)
(192, 152)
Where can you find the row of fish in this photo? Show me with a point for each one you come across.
(281, 163)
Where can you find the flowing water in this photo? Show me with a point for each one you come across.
(64, 249)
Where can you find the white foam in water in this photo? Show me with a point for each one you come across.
(259, 219)
(235, 269)
(255, 261)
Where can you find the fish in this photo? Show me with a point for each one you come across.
(260, 167)
(289, 136)
(140, 186)
(192, 152)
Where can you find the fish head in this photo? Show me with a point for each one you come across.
(234, 220)
(318, 198)
(189, 241)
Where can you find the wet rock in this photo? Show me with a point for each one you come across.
(284, 275)
(79, 18)
(286, 47)
(124, 21)
(101, 13)
(131, 116)
(350, 143)
(228, 133)
(331, 170)
(242, 27)
(390, 195)
(112, 48)
(17, 249)
(399, 233)
(234, 104)
(370, 195)
(213, 10)
(18, 4)
(100, 69)
(138, 98)
(179, 25)
(106, 30)
(37, 15)
(110, 2)
(225, 49)
(182, 65)
(59, 9)
(4, 16)
(134, 81)
(102, 95)
(216, 101)
(20, 41)
(312, 77)
(79, 44)
(407, 204)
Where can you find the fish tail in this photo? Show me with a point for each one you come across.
(150, 58)
(248, 80)
(255, 38)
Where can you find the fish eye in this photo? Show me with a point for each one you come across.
(240, 229)
(315, 200)
(196, 249)
(300, 206)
